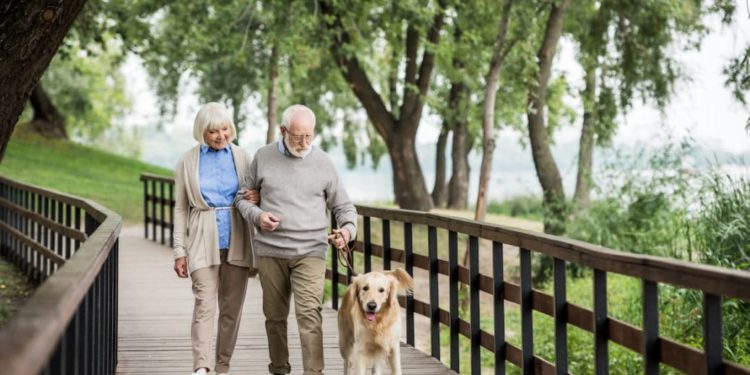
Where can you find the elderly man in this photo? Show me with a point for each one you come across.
(297, 183)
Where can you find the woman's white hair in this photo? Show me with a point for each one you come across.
(212, 116)
(286, 118)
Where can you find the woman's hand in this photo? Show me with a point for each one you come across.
(180, 267)
(253, 196)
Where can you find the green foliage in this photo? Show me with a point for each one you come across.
(642, 207)
(738, 76)
(79, 170)
(88, 89)
(723, 224)
(656, 208)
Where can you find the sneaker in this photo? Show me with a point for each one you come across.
(201, 371)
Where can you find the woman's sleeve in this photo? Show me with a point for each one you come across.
(180, 211)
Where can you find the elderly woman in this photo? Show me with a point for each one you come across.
(212, 242)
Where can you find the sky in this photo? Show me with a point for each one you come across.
(701, 108)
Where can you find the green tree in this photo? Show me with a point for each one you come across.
(625, 45)
(236, 51)
(88, 90)
(356, 31)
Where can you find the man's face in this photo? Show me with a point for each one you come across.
(300, 133)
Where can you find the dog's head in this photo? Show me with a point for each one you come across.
(376, 291)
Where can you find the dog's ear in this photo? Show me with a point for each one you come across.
(352, 291)
(403, 279)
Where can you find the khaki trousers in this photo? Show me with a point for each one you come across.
(303, 277)
(227, 284)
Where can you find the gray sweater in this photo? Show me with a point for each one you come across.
(297, 191)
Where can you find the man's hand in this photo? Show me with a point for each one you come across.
(339, 238)
(180, 267)
(269, 222)
(252, 195)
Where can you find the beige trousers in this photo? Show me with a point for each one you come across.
(304, 278)
(226, 284)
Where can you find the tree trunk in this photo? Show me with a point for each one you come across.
(586, 148)
(273, 93)
(440, 190)
(458, 187)
(488, 115)
(47, 120)
(488, 112)
(546, 168)
(30, 34)
(408, 181)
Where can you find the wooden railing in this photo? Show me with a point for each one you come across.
(158, 207)
(68, 246)
(715, 284)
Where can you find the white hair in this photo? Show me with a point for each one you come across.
(286, 118)
(212, 116)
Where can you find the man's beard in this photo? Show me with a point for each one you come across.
(295, 152)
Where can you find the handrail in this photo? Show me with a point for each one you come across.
(69, 323)
(712, 279)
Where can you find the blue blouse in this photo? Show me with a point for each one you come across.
(219, 184)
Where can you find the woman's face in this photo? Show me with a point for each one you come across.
(217, 139)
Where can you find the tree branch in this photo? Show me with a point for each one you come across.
(411, 108)
(354, 73)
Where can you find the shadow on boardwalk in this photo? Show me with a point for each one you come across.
(156, 307)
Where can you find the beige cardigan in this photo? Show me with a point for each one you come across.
(195, 231)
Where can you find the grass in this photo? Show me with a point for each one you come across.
(14, 290)
(107, 179)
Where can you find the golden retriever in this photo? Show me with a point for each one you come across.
(370, 321)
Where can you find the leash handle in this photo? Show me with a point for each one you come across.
(345, 256)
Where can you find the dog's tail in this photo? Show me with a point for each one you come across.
(405, 282)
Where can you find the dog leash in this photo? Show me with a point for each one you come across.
(345, 257)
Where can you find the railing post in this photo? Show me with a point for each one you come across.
(527, 323)
(153, 210)
(409, 265)
(650, 327)
(434, 296)
(601, 331)
(334, 272)
(171, 215)
(368, 245)
(115, 301)
(561, 317)
(712, 333)
(386, 244)
(476, 345)
(453, 295)
(499, 306)
(145, 208)
(161, 211)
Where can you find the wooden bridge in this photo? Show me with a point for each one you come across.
(108, 301)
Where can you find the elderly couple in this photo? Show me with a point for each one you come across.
(284, 193)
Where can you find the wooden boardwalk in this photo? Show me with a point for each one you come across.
(155, 310)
